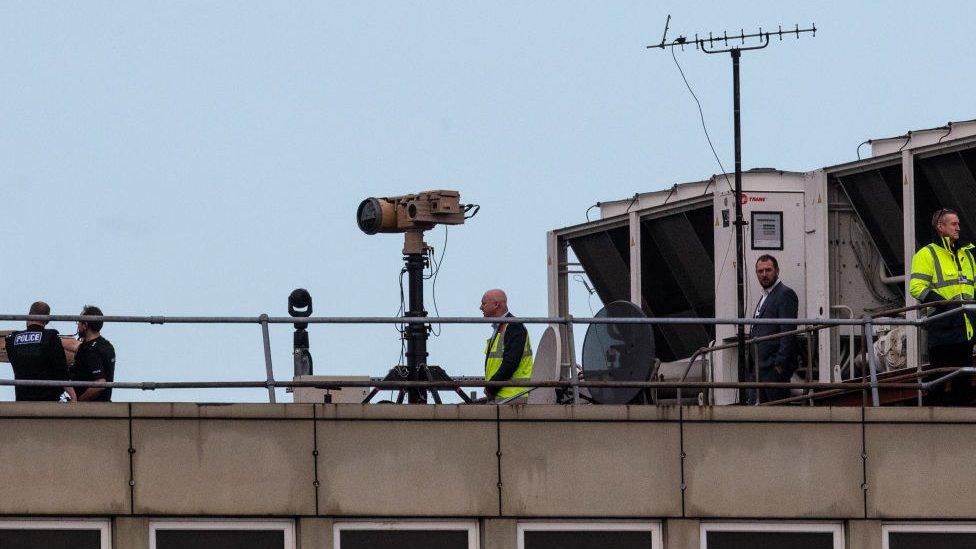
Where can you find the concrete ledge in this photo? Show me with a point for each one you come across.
(591, 469)
(788, 414)
(799, 470)
(192, 410)
(64, 409)
(407, 468)
(926, 414)
(64, 467)
(918, 471)
(587, 413)
(433, 412)
(230, 467)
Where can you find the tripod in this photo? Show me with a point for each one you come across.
(415, 255)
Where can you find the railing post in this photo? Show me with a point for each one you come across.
(267, 357)
(868, 328)
(574, 375)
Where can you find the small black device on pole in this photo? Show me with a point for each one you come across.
(300, 306)
(720, 44)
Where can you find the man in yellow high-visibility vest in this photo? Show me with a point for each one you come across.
(508, 353)
(944, 271)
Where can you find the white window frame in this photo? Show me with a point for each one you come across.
(287, 526)
(469, 526)
(836, 528)
(103, 526)
(938, 527)
(654, 528)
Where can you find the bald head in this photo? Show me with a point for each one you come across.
(494, 303)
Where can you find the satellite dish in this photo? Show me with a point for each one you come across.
(618, 352)
(545, 367)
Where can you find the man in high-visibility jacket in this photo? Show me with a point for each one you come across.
(945, 270)
(508, 353)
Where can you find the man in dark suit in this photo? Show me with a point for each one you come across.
(777, 358)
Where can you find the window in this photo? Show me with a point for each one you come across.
(772, 535)
(55, 534)
(589, 535)
(221, 534)
(929, 536)
(406, 535)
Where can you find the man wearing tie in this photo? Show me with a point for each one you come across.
(777, 358)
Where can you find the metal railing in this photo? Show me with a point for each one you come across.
(867, 325)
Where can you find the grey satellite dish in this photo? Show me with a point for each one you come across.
(618, 352)
(545, 367)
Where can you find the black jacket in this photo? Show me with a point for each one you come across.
(37, 353)
(780, 352)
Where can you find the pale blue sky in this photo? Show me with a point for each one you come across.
(197, 158)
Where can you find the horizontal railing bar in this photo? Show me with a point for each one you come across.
(339, 384)
(480, 320)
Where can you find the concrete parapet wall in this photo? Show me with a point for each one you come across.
(485, 462)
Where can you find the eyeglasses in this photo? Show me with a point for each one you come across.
(942, 213)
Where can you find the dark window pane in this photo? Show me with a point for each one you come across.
(403, 539)
(590, 539)
(50, 539)
(931, 540)
(220, 539)
(770, 540)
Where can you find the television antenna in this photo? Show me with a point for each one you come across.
(735, 45)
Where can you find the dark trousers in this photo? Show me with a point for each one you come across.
(764, 394)
(769, 395)
(960, 389)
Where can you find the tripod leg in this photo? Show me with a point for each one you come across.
(464, 398)
(370, 396)
(436, 395)
(400, 396)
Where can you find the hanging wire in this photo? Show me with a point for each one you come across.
(946, 134)
(908, 139)
(701, 114)
(589, 291)
(863, 143)
(400, 328)
(435, 271)
(597, 205)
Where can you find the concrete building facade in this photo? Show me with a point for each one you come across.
(496, 476)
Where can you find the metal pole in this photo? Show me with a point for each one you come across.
(416, 332)
(267, 358)
(872, 360)
(740, 288)
(574, 374)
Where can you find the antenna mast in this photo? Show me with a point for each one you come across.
(721, 44)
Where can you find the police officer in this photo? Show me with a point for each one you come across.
(941, 271)
(37, 353)
(508, 354)
(94, 359)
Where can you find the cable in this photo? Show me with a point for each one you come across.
(704, 127)
(670, 194)
(632, 202)
(400, 327)
(946, 134)
(597, 205)
(433, 286)
(868, 142)
(870, 262)
(908, 139)
(590, 291)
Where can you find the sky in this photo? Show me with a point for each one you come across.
(206, 158)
